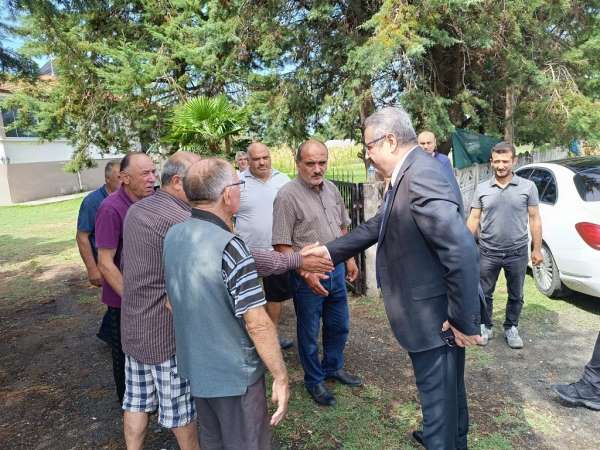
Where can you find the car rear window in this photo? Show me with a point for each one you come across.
(587, 184)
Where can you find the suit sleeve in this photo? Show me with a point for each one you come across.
(359, 239)
(436, 212)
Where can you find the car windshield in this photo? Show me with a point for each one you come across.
(587, 183)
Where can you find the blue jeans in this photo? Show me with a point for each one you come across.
(310, 309)
(514, 264)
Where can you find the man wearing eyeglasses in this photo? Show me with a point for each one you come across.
(428, 270)
(224, 335)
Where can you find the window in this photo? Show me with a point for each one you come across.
(588, 184)
(546, 185)
(8, 118)
(524, 173)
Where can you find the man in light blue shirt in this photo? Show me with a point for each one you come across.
(254, 221)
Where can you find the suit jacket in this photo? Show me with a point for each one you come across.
(427, 260)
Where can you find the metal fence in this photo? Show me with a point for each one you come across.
(353, 195)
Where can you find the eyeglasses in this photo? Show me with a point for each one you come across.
(241, 184)
(367, 145)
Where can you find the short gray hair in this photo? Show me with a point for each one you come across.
(206, 180)
(392, 120)
(109, 168)
(240, 154)
(171, 168)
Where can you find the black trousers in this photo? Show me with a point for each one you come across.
(118, 357)
(440, 375)
(514, 264)
(591, 373)
(104, 331)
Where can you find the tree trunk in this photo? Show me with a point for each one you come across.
(366, 108)
(509, 109)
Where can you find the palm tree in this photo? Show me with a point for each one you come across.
(206, 124)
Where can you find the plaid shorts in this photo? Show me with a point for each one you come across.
(148, 386)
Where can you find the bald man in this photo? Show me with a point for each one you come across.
(428, 143)
(254, 222)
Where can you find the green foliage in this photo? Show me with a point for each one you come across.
(316, 67)
(206, 125)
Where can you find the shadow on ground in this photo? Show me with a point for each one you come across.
(57, 387)
(17, 250)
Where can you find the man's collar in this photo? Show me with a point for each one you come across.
(183, 204)
(514, 181)
(209, 217)
(399, 164)
(247, 173)
(124, 195)
(310, 187)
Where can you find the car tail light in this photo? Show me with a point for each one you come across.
(590, 233)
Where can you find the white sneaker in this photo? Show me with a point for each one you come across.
(484, 336)
(489, 331)
(512, 337)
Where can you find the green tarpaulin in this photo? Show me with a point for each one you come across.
(471, 148)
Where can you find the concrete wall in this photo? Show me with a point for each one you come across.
(4, 188)
(31, 169)
(33, 181)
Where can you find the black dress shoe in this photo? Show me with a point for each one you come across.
(321, 394)
(285, 343)
(345, 378)
(418, 436)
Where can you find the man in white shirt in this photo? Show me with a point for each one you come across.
(254, 221)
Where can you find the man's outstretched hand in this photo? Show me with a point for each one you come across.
(314, 261)
(316, 250)
(462, 340)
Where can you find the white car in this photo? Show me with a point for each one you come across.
(569, 191)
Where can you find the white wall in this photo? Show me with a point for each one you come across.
(23, 150)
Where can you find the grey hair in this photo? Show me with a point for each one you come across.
(206, 180)
(240, 154)
(392, 120)
(172, 168)
(109, 168)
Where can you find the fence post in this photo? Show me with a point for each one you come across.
(373, 196)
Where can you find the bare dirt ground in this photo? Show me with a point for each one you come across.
(57, 389)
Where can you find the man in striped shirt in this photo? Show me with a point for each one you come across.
(224, 334)
(148, 337)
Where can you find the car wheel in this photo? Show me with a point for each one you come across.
(546, 275)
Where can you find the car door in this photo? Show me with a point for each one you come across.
(555, 220)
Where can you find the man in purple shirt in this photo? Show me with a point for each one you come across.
(138, 175)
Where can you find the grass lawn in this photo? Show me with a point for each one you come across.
(36, 241)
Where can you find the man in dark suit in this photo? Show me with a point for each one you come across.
(428, 269)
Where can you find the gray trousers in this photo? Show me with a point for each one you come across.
(514, 264)
(591, 373)
(235, 423)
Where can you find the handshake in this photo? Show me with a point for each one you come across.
(316, 263)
